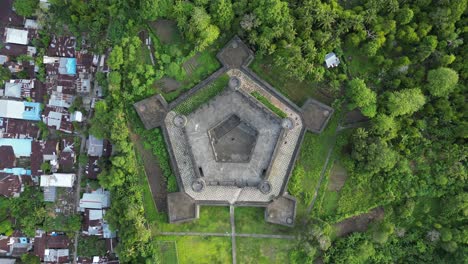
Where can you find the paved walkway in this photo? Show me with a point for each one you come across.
(233, 234)
(226, 235)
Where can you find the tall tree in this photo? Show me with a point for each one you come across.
(361, 96)
(222, 13)
(25, 7)
(441, 81)
(405, 102)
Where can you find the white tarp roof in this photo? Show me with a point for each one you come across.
(11, 109)
(58, 180)
(16, 36)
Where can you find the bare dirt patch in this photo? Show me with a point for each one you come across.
(154, 173)
(359, 223)
(191, 64)
(166, 30)
(338, 176)
(354, 117)
(168, 84)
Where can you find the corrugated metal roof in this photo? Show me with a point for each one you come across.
(21, 147)
(16, 36)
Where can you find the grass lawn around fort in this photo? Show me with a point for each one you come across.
(201, 250)
(263, 250)
(213, 219)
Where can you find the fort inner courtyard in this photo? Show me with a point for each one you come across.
(233, 146)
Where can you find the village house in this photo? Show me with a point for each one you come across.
(52, 247)
(58, 118)
(65, 180)
(19, 88)
(17, 128)
(20, 110)
(331, 60)
(15, 245)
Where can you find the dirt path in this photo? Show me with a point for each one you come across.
(359, 223)
(225, 235)
(154, 174)
(322, 174)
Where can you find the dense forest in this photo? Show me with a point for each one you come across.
(407, 75)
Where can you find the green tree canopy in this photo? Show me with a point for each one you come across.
(405, 102)
(223, 13)
(116, 58)
(25, 7)
(404, 15)
(30, 259)
(361, 96)
(441, 81)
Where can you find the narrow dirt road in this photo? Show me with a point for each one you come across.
(154, 173)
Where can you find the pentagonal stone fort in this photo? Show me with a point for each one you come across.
(232, 149)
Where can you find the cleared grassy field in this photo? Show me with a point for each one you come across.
(168, 252)
(311, 160)
(151, 212)
(201, 250)
(251, 220)
(212, 219)
(296, 91)
(203, 95)
(267, 251)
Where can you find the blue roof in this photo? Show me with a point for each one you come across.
(17, 171)
(21, 147)
(71, 66)
(32, 111)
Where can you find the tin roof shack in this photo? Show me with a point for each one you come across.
(7, 157)
(93, 167)
(95, 146)
(51, 247)
(61, 95)
(67, 156)
(95, 225)
(21, 147)
(10, 185)
(331, 60)
(92, 222)
(58, 118)
(20, 88)
(63, 46)
(58, 65)
(16, 36)
(53, 186)
(7, 261)
(16, 128)
(20, 110)
(15, 245)
(44, 152)
(99, 199)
